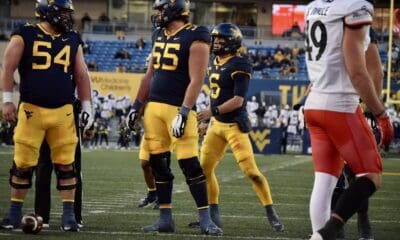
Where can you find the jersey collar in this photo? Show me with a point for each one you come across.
(220, 62)
(176, 32)
(46, 32)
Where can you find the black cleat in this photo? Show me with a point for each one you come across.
(340, 234)
(364, 227)
(156, 205)
(273, 219)
(160, 226)
(11, 221)
(68, 223)
(148, 201)
(211, 229)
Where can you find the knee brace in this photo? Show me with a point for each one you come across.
(25, 174)
(160, 164)
(192, 170)
(64, 175)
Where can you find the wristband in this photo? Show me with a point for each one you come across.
(381, 114)
(137, 105)
(87, 106)
(184, 111)
(215, 111)
(7, 97)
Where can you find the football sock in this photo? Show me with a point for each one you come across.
(331, 228)
(164, 192)
(16, 207)
(320, 202)
(214, 213)
(68, 207)
(166, 214)
(152, 193)
(353, 197)
(204, 217)
(199, 193)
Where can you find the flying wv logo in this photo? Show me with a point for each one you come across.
(28, 114)
(260, 138)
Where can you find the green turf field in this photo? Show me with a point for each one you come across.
(113, 185)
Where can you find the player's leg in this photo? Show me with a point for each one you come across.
(186, 150)
(363, 223)
(28, 137)
(327, 167)
(212, 150)
(362, 156)
(78, 166)
(63, 156)
(43, 184)
(337, 192)
(151, 198)
(243, 152)
(158, 143)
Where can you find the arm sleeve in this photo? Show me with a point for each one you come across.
(242, 80)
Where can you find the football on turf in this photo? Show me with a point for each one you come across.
(31, 223)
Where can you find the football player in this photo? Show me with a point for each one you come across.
(229, 76)
(50, 61)
(336, 39)
(176, 70)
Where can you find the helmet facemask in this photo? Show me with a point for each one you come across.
(61, 18)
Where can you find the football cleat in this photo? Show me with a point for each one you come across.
(156, 205)
(160, 226)
(68, 223)
(11, 221)
(211, 229)
(340, 234)
(148, 201)
(273, 219)
(364, 227)
(316, 236)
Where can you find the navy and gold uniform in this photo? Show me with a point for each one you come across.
(229, 75)
(170, 80)
(228, 79)
(46, 93)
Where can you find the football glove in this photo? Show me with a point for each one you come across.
(179, 122)
(386, 129)
(133, 115)
(86, 115)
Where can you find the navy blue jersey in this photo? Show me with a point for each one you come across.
(171, 62)
(228, 79)
(46, 66)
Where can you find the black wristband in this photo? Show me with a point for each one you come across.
(184, 111)
(215, 111)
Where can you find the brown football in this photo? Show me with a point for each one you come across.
(31, 223)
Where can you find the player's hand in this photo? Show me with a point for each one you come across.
(9, 111)
(133, 116)
(87, 118)
(179, 122)
(204, 115)
(202, 128)
(386, 129)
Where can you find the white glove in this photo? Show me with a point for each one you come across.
(179, 122)
(87, 115)
(133, 114)
(131, 119)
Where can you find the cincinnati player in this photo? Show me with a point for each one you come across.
(336, 34)
(50, 61)
(229, 76)
(176, 71)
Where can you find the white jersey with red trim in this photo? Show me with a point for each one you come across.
(325, 23)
